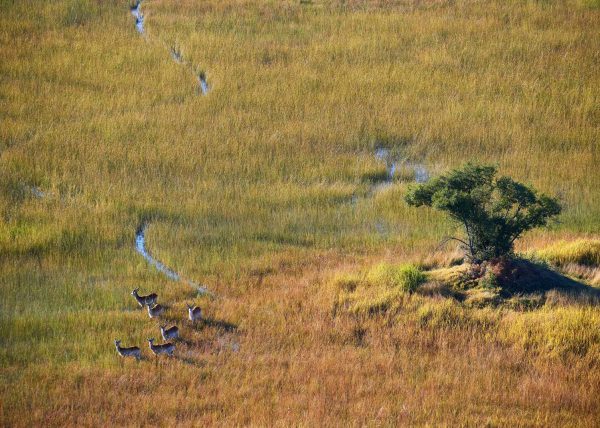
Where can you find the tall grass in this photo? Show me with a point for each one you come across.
(250, 190)
(582, 251)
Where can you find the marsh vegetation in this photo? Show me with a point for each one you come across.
(320, 318)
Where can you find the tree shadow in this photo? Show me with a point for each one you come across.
(527, 277)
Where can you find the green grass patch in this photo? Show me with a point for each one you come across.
(407, 277)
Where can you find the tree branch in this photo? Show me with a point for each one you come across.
(448, 239)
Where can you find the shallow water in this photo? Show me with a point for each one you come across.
(37, 192)
(393, 166)
(418, 171)
(381, 229)
(383, 154)
(204, 88)
(421, 173)
(176, 55)
(140, 246)
(139, 24)
(391, 171)
(409, 170)
(136, 11)
(201, 289)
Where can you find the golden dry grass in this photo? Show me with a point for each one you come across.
(249, 190)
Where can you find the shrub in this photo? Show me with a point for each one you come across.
(412, 277)
(405, 277)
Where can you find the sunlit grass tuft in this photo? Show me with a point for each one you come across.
(264, 188)
(582, 251)
(404, 277)
(558, 332)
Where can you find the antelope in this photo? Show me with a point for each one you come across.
(169, 333)
(150, 299)
(155, 311)
(133, 351)
(166, 348)
(194, 313)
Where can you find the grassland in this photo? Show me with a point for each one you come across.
(250, 191)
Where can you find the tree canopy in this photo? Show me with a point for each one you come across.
(494, 211)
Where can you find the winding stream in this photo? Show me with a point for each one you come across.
(176, 54)
(140, 234)
(140, 246)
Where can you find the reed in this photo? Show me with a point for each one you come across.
(265, 189)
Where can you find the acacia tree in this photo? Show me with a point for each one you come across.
(494, 211)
